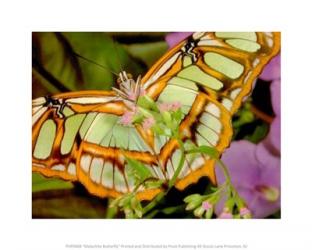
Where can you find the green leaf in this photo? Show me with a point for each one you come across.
(138, 118)
(167, 118)
(193, 197)
(212, 152)
(41, 183)
(188, 145)
(158, 129)
(53, 61)
(138, 170)
(177, 115)
(153, 184)
(145, 112)
(172, 210)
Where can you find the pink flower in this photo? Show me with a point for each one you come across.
(273, 70)
(175, 106)
(132, 96)
(148, 123)
(244, 211)
(127, 118)
(163, 107)
(255, 169)
(206, 205)
(174, 38)
(226, 215)
(255, 173)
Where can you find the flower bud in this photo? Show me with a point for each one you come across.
(128, 212)
(198, 212)
(167, 118)
(226, 215)
(192, 205)
(245, 213)
(193, 197)
(209, 213)
(206, 205)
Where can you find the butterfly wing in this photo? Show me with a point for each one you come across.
(78, 137)
(210, 74)
(221, 64)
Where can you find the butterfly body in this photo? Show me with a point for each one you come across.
(78, 136)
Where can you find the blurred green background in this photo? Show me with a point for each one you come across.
(57, 68)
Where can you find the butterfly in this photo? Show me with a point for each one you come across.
(78, 136)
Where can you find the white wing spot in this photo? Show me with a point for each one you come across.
(235, 93)
(92, 100)
(38, 114)
(213, 109)
(198, 35)
(197, 163)
(270, 42)
(162, 70)
(185, 171)
(38, 165)
(247, 77)
(170, 170)
(58, 167)
(159, 173)
(209, 43)
(269, 34)
(71, 169)
(255, 62)
(227, 103)
(107, 175)
(96, 169)
(85, 162)
(119, 181)
(38, 101)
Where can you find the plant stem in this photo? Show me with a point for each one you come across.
(225, 171)
(263, 116)
(154, 202)
(232, 189)
(181, 163)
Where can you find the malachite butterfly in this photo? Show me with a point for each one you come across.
(78, 136)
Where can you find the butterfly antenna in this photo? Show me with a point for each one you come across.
(90, 61)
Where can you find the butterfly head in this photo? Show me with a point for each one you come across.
(129, 89)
